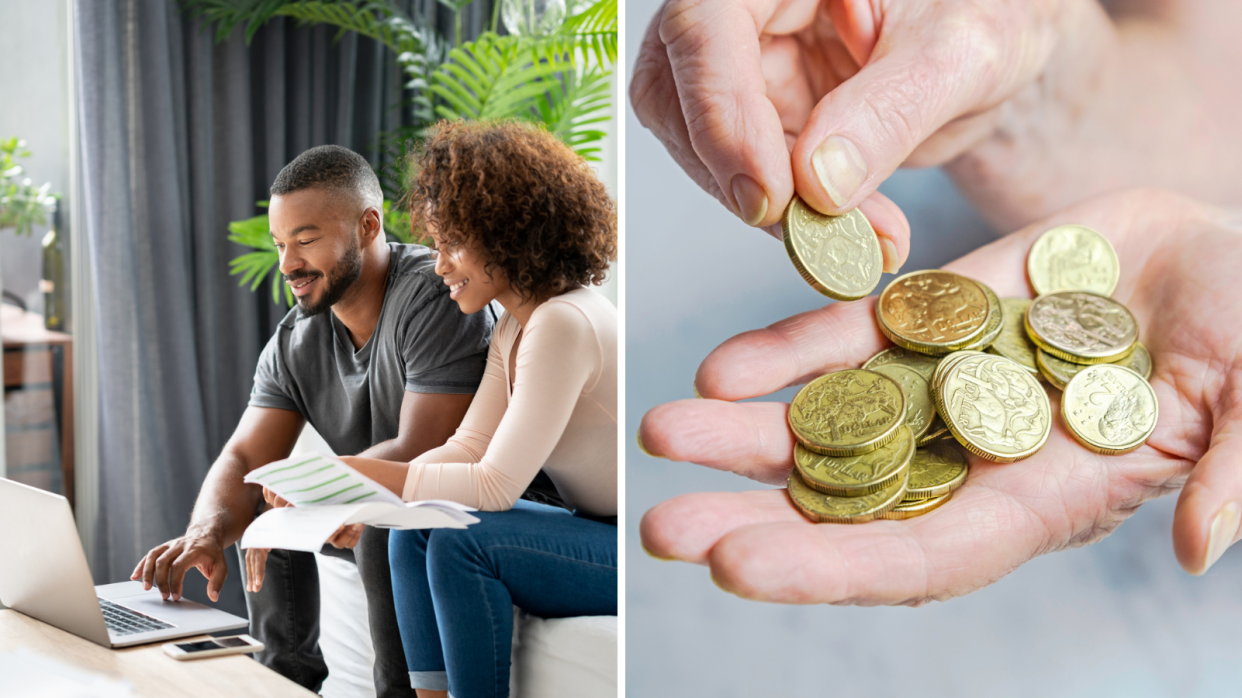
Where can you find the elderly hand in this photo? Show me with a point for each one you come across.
(1179, 276)
(852, 89)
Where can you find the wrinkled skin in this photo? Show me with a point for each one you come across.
(753, 87)
(1179, 262)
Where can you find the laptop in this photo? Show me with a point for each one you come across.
(43, 574)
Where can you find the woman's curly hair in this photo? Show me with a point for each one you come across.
(527, 201)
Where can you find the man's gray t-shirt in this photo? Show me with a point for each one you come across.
(422, 343)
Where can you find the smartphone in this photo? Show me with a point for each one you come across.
(215, 647)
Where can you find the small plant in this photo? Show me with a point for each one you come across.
(22, 205)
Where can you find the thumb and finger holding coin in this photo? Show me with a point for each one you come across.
(1005, 374)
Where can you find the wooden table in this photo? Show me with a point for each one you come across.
(36, 356)
(152, 672)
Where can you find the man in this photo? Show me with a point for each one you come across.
(377, 358)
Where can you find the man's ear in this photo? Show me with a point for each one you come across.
(372, 224)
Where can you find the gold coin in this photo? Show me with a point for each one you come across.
(936, 470)
(826, 508)
(909, 510)
(1138, 361)
(847, 413)
(947, 363)
(1082, 327)
(995, 408)
(838, 255)
(920, 410)
(1109, 409)
(854, 476)
(996, 321)
(1013, 342)
(1073, 258)
(924, 364)
(938, 429)
(1059, 372)
(934, 312)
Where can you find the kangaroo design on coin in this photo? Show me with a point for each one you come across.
(838, 255)
(847, 413)
(1073, 258)
(995, 408)
(1082, 327)
(932, 311)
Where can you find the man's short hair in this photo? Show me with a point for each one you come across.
(331, 167)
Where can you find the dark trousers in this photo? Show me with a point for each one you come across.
(284, 615)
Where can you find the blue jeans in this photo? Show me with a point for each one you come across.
(455, 589)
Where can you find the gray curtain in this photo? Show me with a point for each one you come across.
(180, 135)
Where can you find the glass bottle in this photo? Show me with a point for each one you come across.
(52, 284)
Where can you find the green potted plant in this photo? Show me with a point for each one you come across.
(23, 206)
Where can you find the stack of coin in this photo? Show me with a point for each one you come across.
(854, 446)
(1086, 344)
(966, 370)
(856, 457)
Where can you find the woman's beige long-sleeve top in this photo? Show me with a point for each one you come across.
(561, 414)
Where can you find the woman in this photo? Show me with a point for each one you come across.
(516, 217)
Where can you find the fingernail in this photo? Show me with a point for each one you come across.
(695, 388)
(840, 167)
(752, 200)
(889, 250)
(1224, 529)
(641, 446)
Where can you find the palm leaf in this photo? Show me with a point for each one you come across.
(228, 14)
(255, 233)
(375, 19)
(491, 78)
(574, 103)
(589, 36)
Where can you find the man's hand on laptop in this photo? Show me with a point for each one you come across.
(165, 566)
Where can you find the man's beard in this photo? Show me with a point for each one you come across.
(338, 281)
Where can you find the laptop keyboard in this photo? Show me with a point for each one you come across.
(125, 621)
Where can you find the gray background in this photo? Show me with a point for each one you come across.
(1115, 618)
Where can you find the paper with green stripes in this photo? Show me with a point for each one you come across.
(319, 480)
(328, 494)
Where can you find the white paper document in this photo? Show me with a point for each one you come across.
(328, 494)
(319, 479)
